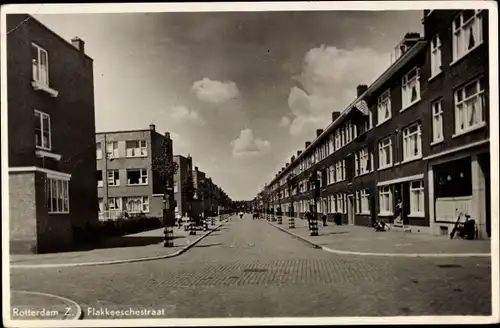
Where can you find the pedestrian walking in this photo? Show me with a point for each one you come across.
(324, 220)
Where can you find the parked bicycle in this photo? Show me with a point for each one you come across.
(465, 230)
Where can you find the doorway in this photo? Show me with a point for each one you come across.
(350, 210)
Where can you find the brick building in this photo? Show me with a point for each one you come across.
(416, 137)
(128, 180)
(51, 137)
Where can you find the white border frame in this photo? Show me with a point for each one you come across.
(263, 6)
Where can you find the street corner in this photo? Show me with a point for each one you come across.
(31, 305)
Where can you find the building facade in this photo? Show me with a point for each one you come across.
(417, 138)
(51, 135)
(131, 177)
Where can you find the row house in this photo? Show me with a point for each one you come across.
(51, 138)
(416, 138)
(131, 175)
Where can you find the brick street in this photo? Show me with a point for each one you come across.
(251, 269)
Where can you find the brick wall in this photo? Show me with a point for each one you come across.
(22, 207)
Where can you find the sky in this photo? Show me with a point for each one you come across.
(239, 91)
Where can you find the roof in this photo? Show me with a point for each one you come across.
(383, 78)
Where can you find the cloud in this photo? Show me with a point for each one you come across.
(284, 122)
(182, 113)
(215, 92)
(180, 145)
(246, 145)
(328, 82)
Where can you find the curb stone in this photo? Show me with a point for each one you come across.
(414, 255)
(142, 259)
(79, 311)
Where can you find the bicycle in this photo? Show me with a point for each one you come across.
(465, 230)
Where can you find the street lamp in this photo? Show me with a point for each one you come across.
(279, 213)
(313, 225)
(291, 184)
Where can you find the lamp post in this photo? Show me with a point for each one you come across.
(279, 213)
(313, 179)
(291, 184)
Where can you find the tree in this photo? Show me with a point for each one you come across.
(165, 166)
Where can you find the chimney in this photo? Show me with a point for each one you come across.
(196, 168)
(308, 143)
(292, 159)
(152, 127)
(299, 152)
(78, 44)
(335, 115)
(167, 135)
(360, 89)
(319, 132)
(286, 165)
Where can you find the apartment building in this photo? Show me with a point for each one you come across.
(51, 137)
(183, 185)
(130, 175)
(458, 117)
(417, 137)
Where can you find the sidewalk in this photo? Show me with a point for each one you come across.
(141, 245)
(356, 239)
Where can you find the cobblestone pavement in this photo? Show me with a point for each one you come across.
(251, 269)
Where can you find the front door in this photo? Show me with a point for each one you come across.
(350, 209)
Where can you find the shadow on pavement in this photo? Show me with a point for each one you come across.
(334, 233)
(124, 241)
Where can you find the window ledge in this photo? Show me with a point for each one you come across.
(435, 76)
(416, 215)
(437, 142)
(113, 186)
(38, 86)
(45, 153)
(142, 156)
(364, 213)
(410, 105)
(412, 159)
(465, 54)
(384, 168)
(137, 184)
(470, 129)
(57, 213)
(386, 214)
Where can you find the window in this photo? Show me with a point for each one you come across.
(114, 203)
(384, 107)
(40, 65)
(467, 32)
(385, 199)
(364, 204)
(469, 104)
(412, 142)
(100, 182)
(385, 153)
(138, 204)
(98, 150)
(417, 197)
(437, 121)
(113, 178)
(42, 130)
(57, 195)
(435, 56)
(410, 88)
(136, 148)
(176, 187)
(362, 162)
(340, 171)
(112, 149)
(137, 177)
(340, 203)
